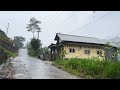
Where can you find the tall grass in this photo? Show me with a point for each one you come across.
(9, 53)
(92, 67)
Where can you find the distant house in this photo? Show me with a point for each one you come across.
(81, 47)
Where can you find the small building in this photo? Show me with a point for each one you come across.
(81, 47)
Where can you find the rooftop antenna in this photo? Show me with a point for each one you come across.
(7, 28)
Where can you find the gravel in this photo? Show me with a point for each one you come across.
(14, 69)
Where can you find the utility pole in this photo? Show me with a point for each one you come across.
(7, 28)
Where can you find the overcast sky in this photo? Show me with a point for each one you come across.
(66, 22)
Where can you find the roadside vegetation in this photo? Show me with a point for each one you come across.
(18, 41)
(9, 53)
(34, 47)
(7, 48)
(90, 68)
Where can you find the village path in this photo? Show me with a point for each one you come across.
(38, 69)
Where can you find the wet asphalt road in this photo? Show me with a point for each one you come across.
(38, 69)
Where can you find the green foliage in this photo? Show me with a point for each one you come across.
(31, 51)
(18, 40)
(109, 47)
(33, 26)
(91, 67)
(62, 54)
(5, 39)
(3, 55)
(6, 48)
(43, 50)
(112, 70)
(35, 44)
(8, 53)
(2, 33)
(34, 47)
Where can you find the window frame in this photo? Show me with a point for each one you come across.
(71, 50)
(99, 52)
(87, 52)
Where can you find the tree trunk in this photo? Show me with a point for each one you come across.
(38, 35)
(33, 34)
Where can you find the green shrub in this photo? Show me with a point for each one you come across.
(31, 51)
(112, 70)
(92, 67)
(9, 53)
(60, 62)
(3, 56)
(73, 63)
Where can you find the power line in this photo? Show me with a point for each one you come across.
(90, 23)
(55, 18)
(65, 20)
(69, 18)
(113, 35)
(50, 18)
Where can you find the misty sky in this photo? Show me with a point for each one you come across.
(66, 22)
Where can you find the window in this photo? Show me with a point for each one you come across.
(99, 52)
(87, 52)
(72, 50)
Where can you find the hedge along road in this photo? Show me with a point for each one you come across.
(38, 69)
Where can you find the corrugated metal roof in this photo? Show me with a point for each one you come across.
(74, 38)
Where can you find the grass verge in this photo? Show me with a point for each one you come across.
(90, 68)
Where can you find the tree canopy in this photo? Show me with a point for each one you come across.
(18, 40)
(35, 43)
(33, 26)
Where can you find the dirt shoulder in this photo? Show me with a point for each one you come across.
(14, 69)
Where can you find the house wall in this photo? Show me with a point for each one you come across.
(79, 52)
